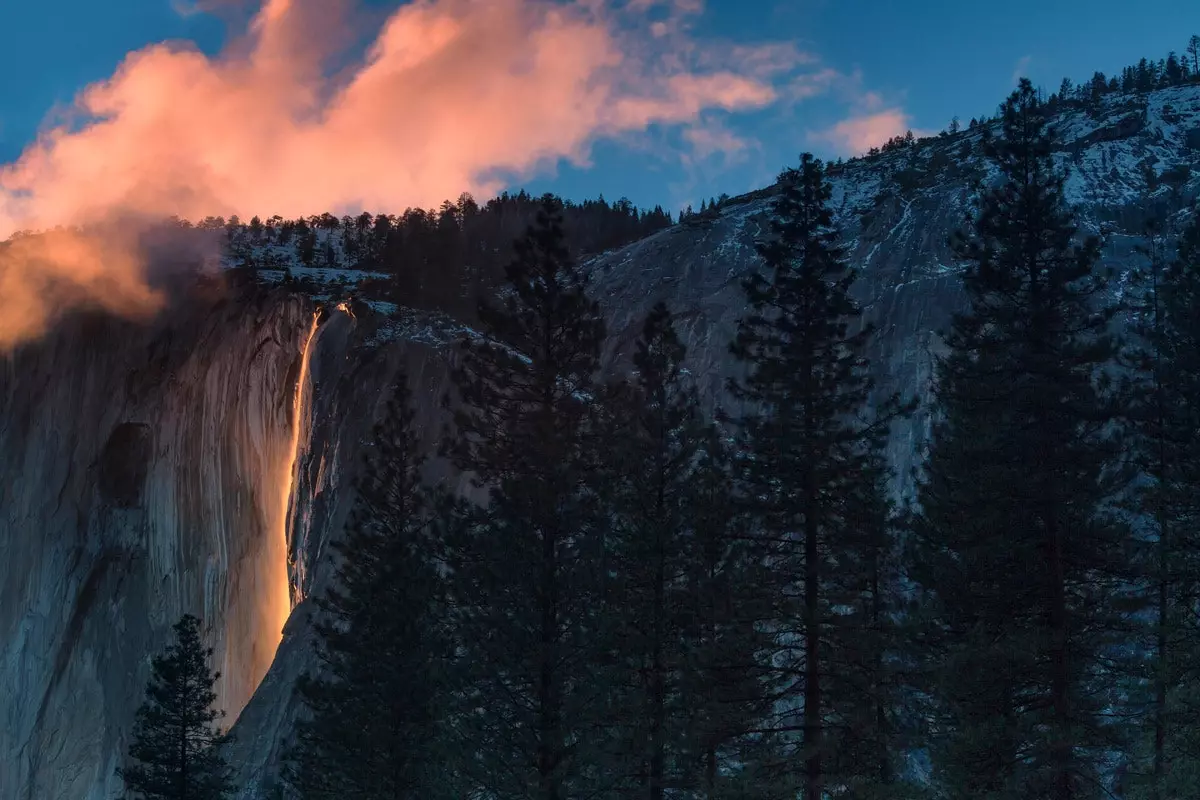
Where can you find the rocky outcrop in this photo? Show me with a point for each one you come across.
(146, 470)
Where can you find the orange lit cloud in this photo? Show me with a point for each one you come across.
(857, 135)
(450, 96)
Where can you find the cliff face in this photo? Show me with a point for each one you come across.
(150, 470)
(1131, 157)
(140, 479)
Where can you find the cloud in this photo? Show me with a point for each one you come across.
(40, 275)
(451, 93)
(1021, 69)
(858, 134)
(450, 96)
(711, 139)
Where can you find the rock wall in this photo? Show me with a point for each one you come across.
(139, 479)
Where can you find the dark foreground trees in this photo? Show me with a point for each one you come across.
(1018, 564)
(377, 724)
(688, 592)
(1166, 447)
(175, 753)
(529, 570)
(811, 481)
(635, 606)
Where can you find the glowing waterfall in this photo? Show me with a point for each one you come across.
(282, 600)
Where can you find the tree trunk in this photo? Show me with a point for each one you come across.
(710, 773)
(185, 724)
(1060, 677)
(658, 697)
(885, 766)
(812, 653)
(549, 745)
(1161, 675)
(1160, 678)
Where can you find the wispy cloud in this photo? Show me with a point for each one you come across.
(870, 119)
(713, 138)
(451, 93)
(1021, 69)
(856, 135)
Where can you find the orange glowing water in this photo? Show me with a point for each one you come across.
(282, 595)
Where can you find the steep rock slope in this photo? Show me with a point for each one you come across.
(144, 470)
(1132, 157)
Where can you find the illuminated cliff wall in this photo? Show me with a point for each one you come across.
(145, 473)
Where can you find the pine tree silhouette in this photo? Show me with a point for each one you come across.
(175, 753)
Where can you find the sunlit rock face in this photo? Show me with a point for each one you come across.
(354, 363)
(199, 464)
(139, 480)
(144, 469)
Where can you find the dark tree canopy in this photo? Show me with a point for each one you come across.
(813, 435)
(377, 723)
(175, 751)
(1017, 561)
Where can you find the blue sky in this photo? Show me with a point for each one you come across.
(930, 59)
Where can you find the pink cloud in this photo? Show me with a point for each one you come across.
(858, 134)
(451, 91)
(713, 139)
(450, 94)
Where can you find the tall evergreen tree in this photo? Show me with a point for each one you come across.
(1148, 428)
(1017, 561)
(728, 736)
(1166, 421)
(811, 437)
(529, 567)
(689, 592)
(377, 724)
(656, 449)
(175, 753)
(869, 710)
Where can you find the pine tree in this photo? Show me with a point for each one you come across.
(1145, 77)
(1017, 563)
(1148, 428)
(656, 447)
(1172, 71)
(1165, 426)
(377, 724)
(1065, 89)
(688, 593)
(528, 570)
(1194, 51)
(733, 751)
(811, 439)
(867, 701)
(175, 753)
